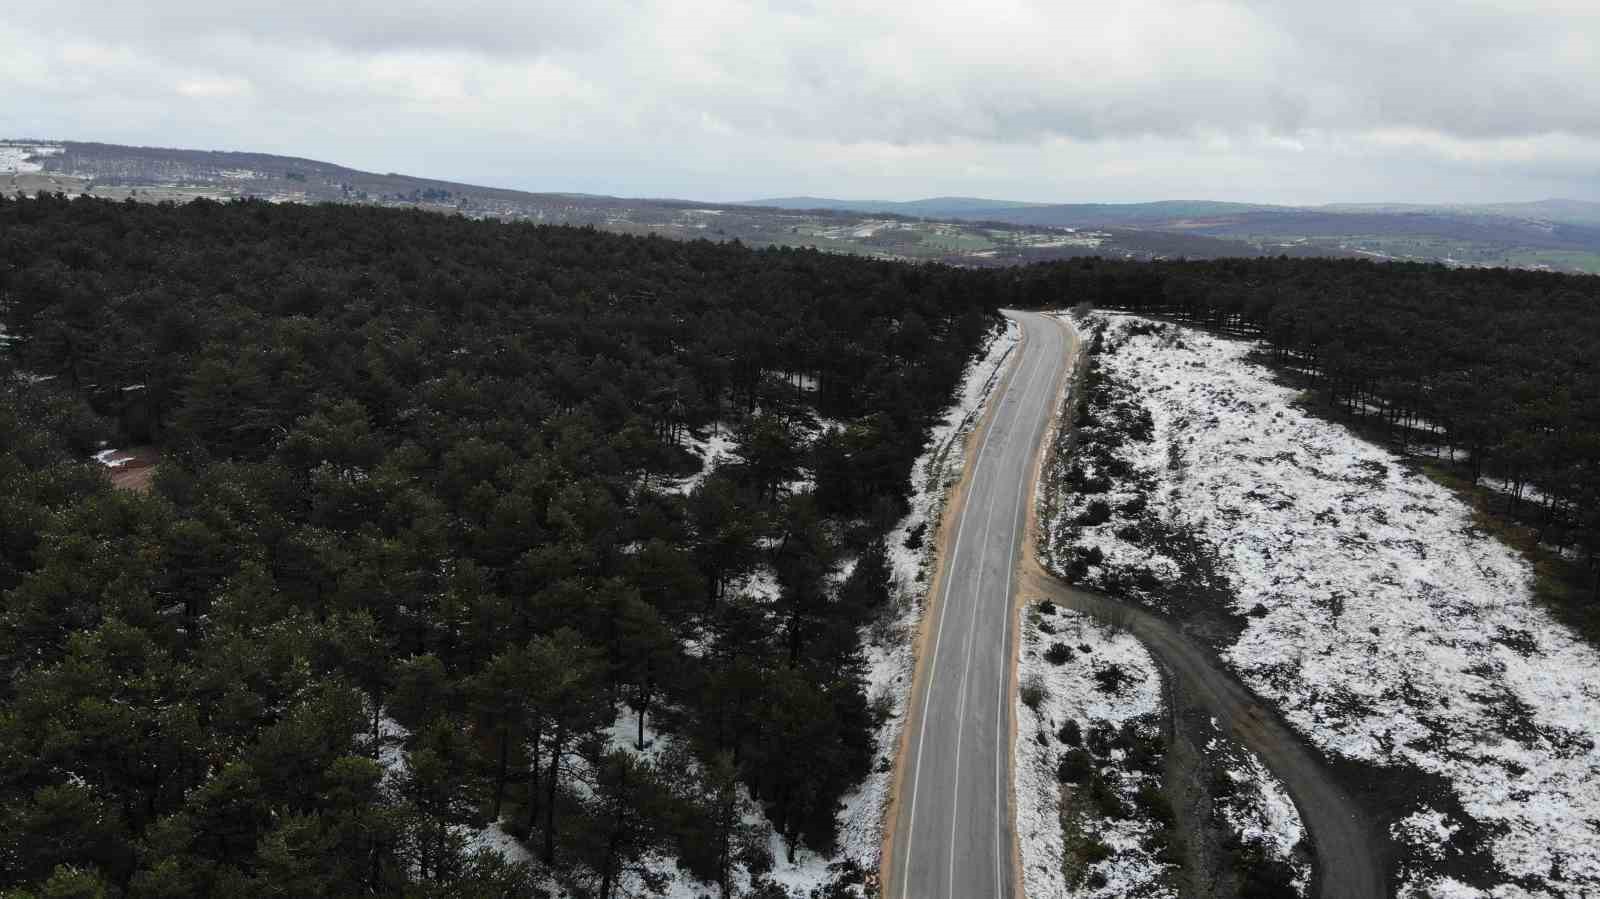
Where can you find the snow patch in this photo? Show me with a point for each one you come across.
(112, 458)
(713, 450)
(1081, 690)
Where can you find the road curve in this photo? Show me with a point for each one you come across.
(1349, 856)
(951, 829)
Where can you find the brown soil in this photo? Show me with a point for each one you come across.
(137, 469)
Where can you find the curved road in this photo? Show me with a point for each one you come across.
(952, 833)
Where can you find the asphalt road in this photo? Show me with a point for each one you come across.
(953, 824)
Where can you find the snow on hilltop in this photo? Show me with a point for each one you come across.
(1386, 627)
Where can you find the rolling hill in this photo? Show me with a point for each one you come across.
(1559, 235)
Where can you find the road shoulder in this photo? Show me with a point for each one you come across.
(943, 539)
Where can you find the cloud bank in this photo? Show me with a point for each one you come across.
(1267, 100)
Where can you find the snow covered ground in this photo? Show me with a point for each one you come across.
(807, 872)
(14, 157)
(112, 458)
(1101, 681)
(1257, 808)
(392, 736)
(1367, 606)
(714, 449)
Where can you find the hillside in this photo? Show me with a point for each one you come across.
(944, 230)
(1553, 235)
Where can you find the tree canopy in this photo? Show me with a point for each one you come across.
(426, 486)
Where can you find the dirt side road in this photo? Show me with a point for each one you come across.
(1349, 856)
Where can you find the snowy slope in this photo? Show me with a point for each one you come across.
(1384, 625)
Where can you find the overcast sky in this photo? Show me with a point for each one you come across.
(1293, 101)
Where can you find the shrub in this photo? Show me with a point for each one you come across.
(1100, 739)
(1099, 512)
(1047, 608)
(1076, 767)
(1070, 734)
(1143, 427)
(1262, 876)
(1103, 796)
(1079, 482)
(1143, 752)
(1119, 468)
(882, 706)
(1154, 804)
(1110, 678)
(1032, 692)
(1058, 654)
(1078, 565)
(1222, 786)
(914, 536)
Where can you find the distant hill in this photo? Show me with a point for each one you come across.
(1572, 212)
(1058, 215)
(920, 231)
(1561, 235)
(1128, 215)
(936, 207)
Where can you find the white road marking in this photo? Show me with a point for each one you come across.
(972, 628)
(1001, 724)
(933, 666)
(1027, 393)
(966, 669)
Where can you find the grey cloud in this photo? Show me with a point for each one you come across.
(724, 96)
(499, 27)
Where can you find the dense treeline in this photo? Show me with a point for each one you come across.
(425, 488)
(424, 477)
(1498, 370)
